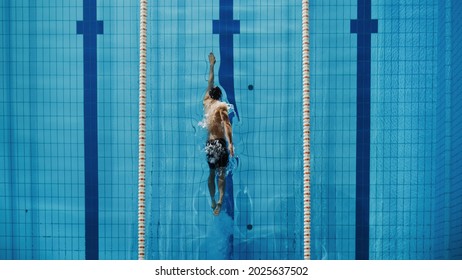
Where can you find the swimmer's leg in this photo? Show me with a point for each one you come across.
(217, 210)
(221, 188)
(211, 183)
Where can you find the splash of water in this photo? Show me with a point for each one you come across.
(230, 109)
(233, 164)
(203, 123)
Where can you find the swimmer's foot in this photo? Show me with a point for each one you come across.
(214, 204)
(217, 210)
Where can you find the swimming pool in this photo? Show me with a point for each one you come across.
(385, 159)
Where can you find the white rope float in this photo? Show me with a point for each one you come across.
(142, 131)
(306, 130)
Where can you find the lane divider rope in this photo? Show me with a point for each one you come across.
(142, 131)
(306, 130)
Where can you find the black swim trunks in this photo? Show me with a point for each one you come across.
(217, 153)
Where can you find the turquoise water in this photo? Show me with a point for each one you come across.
(385, 174)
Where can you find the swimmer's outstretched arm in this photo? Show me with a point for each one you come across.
(211, 72)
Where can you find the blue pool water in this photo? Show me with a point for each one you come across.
(385, 130)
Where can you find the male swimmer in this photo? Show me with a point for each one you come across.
(220, 137)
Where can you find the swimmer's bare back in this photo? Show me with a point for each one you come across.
(217, 116)
(216, 112)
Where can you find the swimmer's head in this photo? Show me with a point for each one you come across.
(215, 93)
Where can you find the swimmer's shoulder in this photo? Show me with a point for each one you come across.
(207, 100)
(222, 106)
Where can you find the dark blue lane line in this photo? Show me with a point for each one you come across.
(90, 27)
(364, 26)
(226, 27)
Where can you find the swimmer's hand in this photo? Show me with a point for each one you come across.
(212, 59)
(231, 149)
